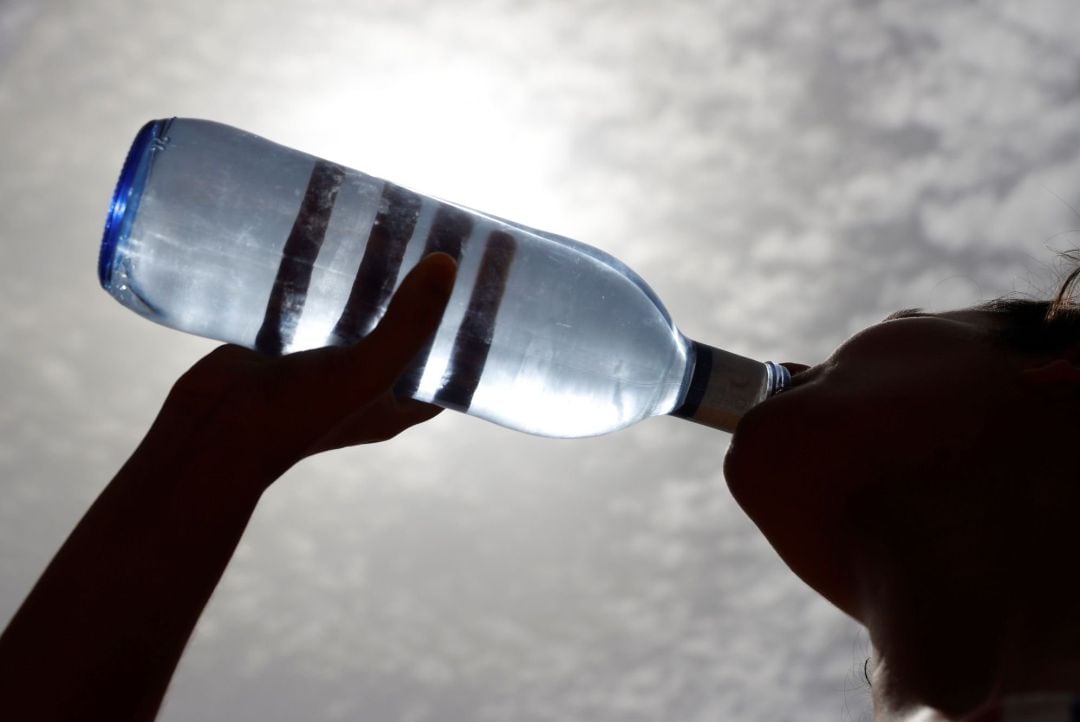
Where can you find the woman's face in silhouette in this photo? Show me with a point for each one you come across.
(852, 472)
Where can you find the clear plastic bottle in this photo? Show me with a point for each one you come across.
(224, 234)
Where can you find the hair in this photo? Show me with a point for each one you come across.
(1041, 326)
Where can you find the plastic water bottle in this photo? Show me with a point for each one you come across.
(224, 234)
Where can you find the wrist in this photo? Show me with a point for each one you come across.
(200, 455)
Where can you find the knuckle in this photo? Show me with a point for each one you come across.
(225, 371)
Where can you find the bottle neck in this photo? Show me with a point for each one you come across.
(724, 386)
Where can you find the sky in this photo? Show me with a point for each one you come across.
(782, 175)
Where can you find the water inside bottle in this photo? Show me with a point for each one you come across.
(541, 334)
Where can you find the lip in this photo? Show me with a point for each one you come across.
(801, 375)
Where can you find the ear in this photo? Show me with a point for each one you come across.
(1060, 375)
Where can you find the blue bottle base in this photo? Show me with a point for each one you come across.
(125, 199)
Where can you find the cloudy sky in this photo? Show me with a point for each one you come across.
(781, 173)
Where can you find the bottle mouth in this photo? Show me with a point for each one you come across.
(126, 196)
(777, 378)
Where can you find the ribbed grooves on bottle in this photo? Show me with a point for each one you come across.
(449, 232)
(473, 341)
(387, 242)
(289, 292)
(126, 195)
(374, 283)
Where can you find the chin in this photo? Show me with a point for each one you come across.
(761, 447)
(789, 481)
(753, 465)
(738, 461)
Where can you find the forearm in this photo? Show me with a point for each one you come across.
(102, 631)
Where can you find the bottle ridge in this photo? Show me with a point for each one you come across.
(220, 233)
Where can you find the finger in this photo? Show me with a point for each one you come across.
(326, 385)
(405, 419)
(413, 316)
(387, 418)
(383, 419)
(416, 412)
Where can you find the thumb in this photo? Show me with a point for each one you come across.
(411, 319)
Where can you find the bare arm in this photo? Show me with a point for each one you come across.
(100, 634)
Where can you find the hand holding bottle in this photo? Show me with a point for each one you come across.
(271, 412)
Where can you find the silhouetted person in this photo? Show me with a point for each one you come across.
(926, 485)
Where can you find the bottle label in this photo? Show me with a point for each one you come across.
(723, 387)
